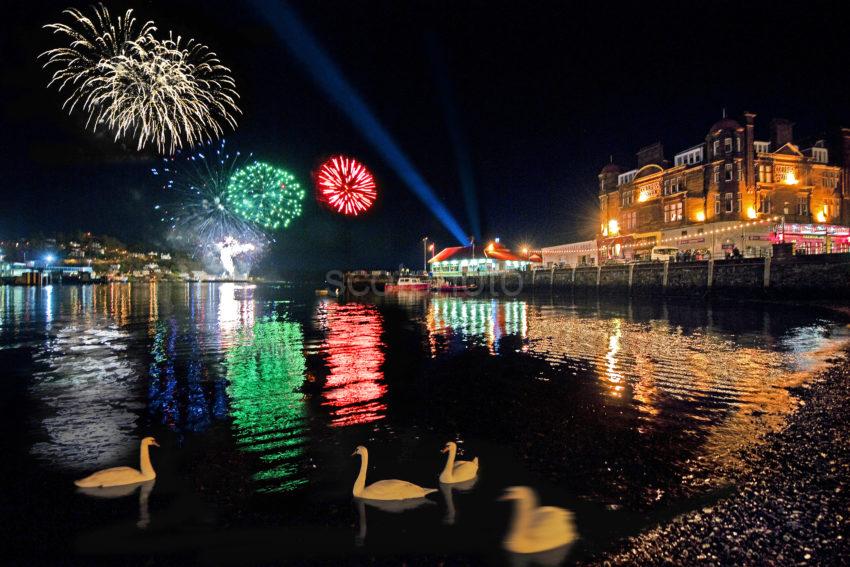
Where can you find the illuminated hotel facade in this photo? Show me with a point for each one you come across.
(729, 191)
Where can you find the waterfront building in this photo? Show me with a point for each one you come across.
(574, 254)
(467, 260)
(731, 190)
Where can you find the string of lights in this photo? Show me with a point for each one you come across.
(674, 239)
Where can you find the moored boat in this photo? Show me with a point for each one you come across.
(408, 283)
(443, 286)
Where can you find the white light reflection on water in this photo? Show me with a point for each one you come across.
(474, 321)
(90, 387)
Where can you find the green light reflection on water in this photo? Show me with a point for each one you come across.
(265, 368)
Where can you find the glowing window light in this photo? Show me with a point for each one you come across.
(790, 178)
(613, 227)
(821, 216)
(700, 216)
(751, 213)
(644, 196)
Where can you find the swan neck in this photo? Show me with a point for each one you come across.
(521, 517)
(360, 482)
(450, 462)
(145, 462)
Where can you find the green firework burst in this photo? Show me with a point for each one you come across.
(265, 195)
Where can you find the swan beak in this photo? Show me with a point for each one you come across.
(154, 443)
(507, 495)
(354, 454)
(444, 450)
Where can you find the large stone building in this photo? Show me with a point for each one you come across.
(732, 186)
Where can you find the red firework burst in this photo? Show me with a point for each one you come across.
(346, 185)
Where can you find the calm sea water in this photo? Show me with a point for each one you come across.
(258, 396)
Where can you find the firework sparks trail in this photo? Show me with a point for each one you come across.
(167, 93)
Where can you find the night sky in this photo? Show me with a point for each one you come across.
(537, 94)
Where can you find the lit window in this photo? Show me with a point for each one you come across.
(717, 204)
(729, 175)
(673, 212)
(727, 145)
(730, 203)
(716, 174)
(802, 205)
(716, 147)
(765, 204)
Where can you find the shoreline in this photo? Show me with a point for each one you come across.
(789, 504)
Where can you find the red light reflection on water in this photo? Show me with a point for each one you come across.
(354, 355)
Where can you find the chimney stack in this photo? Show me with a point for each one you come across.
(749, 150)
(781, 133)
(653, 153)
(845, 174)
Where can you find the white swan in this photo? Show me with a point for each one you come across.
(119, 476)
(384, 489)
(459, 471)
(535, 529)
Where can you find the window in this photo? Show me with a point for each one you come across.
(716, 151)
(738, 142)
(740, 170)
(626, 177)
(729, 174)
(830, 179)
(628, 198)
(690, 157)
(672, 185)
(730, 202)
(765, 173)
(630, 220)
(802, 205)
(762, 147)
(716, 174)
(673, 212)
(727, 145)
(765, 204)
(717, 204)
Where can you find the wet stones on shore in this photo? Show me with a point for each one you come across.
(790, 505)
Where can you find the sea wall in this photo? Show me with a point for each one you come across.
(814, 276)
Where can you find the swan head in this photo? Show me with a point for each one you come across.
(360, 450)
(147, 441)
(517, 493)
(448, 447)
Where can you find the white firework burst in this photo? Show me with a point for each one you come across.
(168, 93)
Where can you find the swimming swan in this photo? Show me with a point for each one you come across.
(536, 528)
(384, 489)
(459, 471)
(119, 476)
